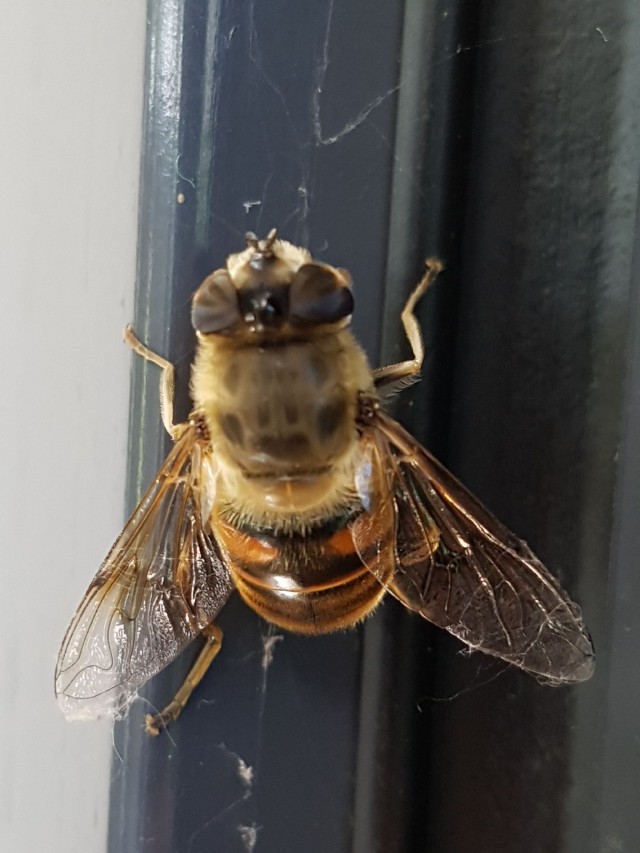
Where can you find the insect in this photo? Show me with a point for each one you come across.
(290, 484)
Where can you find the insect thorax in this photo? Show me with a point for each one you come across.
(282, 421)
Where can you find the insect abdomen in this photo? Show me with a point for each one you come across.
(311, 584)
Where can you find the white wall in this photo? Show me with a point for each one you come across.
(70, 120)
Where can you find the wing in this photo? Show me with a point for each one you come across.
(162, 582)
(461, 569)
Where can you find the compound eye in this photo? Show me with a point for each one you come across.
(215, 306)
(320, 294)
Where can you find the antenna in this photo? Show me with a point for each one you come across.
(261, 247)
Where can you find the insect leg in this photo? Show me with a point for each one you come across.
(167, 378)
(406, 372)
(172, 711)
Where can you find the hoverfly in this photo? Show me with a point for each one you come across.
(290, 484)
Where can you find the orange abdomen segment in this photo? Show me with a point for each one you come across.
(310, 583)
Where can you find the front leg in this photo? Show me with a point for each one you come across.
(406, 372)
(167, 379)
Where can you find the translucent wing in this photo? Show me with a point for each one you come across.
(162, 582)
(461, 569)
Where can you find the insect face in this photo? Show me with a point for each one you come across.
(272, 292)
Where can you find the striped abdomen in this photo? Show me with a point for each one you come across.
(310, 584)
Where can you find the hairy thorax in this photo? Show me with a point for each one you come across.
(282, 420)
